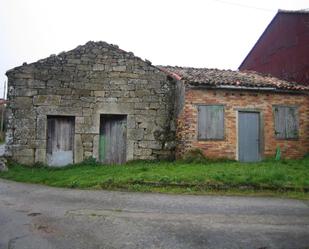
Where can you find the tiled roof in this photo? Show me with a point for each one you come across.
(228, 78)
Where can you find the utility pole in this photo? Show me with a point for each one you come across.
(3, 107)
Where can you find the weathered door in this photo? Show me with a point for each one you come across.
(113, 136)
(60, 138)
(248, 137)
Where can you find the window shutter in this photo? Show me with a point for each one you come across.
(286, 122)
(211, 122)
(201, 122)
(280, 122)
(291, 122)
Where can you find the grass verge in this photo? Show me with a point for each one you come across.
(286, 178)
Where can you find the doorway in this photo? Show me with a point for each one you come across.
(113, 139)
(60, 140)
(249, 136)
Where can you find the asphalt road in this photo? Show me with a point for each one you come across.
(34, 216)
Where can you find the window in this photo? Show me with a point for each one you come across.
(210, 122)
(286, 122)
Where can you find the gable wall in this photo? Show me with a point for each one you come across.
(91, 80)
(282, 50)
(233, 101)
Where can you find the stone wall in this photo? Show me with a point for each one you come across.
(241, 100)
(94, 79)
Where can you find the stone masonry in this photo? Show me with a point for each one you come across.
(93, 79)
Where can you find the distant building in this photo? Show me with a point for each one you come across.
(283, 48)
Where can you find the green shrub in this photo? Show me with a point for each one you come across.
(194, 156)
(91, 161)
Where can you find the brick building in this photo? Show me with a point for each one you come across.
(239, 115)
(283, 48)
(102, 102)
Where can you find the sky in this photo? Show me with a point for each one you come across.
(196, 33)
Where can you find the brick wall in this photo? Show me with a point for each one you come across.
(233, 101)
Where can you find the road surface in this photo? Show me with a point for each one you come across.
(35, 216)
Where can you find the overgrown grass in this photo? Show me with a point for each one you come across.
(285, 177)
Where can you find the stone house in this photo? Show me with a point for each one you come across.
(239, 115)
(100, 101)
(93, 101)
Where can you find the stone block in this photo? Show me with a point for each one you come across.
(87, 138)
(118, 81)
(74, 61)
(23, 151)
(99, 93)
(154, 106)
(78, 149)
(135, 134)
(141, 106)
(150, 145)
(114, 108)
(96, 147)
(143, 152)
(87, 112)
(38, 83)
(88, 154)
(41, 127)
(46, 100)
(98, 67)
(87, 146)
(82, 92)
(142, 93)
(119, 68)
(40, 155)
(26, 160)
(22, 102)
(25, 92)
(56, 110)
(131, 122)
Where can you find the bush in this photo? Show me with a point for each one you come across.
(194, 156)
(91, 161)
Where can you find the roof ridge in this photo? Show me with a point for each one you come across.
(90, 44)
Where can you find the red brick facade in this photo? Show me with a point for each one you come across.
(233, 101)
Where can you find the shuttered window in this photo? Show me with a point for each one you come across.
(210, 122)
(286, 122)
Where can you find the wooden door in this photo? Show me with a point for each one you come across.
(60, 138)
(113, 139)
(249, 137)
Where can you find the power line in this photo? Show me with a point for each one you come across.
(244, 5)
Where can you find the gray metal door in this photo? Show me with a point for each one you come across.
(113, 136)
(248, 137)
(60, 136)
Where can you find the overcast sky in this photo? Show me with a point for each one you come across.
(197, 33)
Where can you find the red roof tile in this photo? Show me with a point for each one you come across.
(228, 78)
